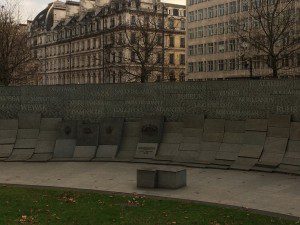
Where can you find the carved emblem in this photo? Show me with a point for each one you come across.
(150, 129)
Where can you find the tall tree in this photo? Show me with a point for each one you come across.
(268, 31)
(15, 54)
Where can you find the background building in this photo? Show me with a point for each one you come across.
(213, 49)
(88, 41)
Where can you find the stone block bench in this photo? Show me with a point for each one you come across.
(172, 178)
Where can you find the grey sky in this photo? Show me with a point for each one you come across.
(30, 8)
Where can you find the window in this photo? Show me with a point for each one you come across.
(210, 30)
(221, 28)
(191, 50)
(175, 12)
(191, 67)
(200, 49)
(221, 65)
(172, 77)
(181, 77)
(232, 45)
(232, 7)
(171, 41)
(171, 23)
(210, 48)
(221, 46)
(232, 64)
(112, 22)
(245, 5)
(182, 59)
(200, 66)
(171, 58)
(210, 12)
(221, 10)
(210, 65)
(182, 42)
(182, 25)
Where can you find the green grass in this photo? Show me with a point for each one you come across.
(41, 206)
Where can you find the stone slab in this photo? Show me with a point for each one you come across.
(50, 124)
(213, 137)
(85, 153)
(214, 125)
(146, 178)
(151, 129)
(173, 127)
(228, 151)
(217, 166)
(8, 124)
(167, 151)
(186, 156)
(8, 134)
(233, 138)
(278, 132)
(254, 138)
(146, 150)
(126, 156)
(5, 141)
(192, 132)
(295, 131)
(111, 131)
(251, 151)
(189, 147)
(263, 168)
(129, 143)
(20, 155)
(206, 157)
(41, 157)
(107, 151)
(172, 138)
(45, 146)
(192, 140)
(234, 126)
(87, 134)
(244, 163)
(48, 135)
(131, 129)
(29, 120)
(210, 146)
(222, 162)
(275, 145)
(28, 133)
(282, 121)
(291, 161)
(270, 159)
(171, 178)
(26, 143)
(6, 150)
(68, 130)
(288, 168)
(64, 148)
(193, 121)
(256, 125)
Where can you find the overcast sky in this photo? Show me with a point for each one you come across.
(30, 8)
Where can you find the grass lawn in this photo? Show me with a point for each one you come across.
(41, 206)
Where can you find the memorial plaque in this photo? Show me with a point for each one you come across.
(68, 130)
(278, 132)
(282, 121)
(146, 150)
(244, 163)
(295, 131)
(256, 124)
(50, 124)
(8, 124)
(41, 157)
(251, 151)
(84, 153)
(28, 133)
(151, 129)
(29, 120)
(111, 130)
(214, 126)
(64, 148)
(167, 151)
(193, 121)
(107, 152)
(26, 143)
(20, 155)
(45, 146)
(6, 150)
(254, 138)
(171, 178)
(87, 134)
(234, 126)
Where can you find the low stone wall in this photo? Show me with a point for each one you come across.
(233, 99)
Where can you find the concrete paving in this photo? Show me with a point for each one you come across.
(277, 193)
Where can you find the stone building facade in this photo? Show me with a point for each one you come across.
(78, 42)
(213, 47)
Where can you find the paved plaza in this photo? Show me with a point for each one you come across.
(273, 192)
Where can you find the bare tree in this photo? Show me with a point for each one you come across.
(15, 54)
(136, 52)
(268, 32)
